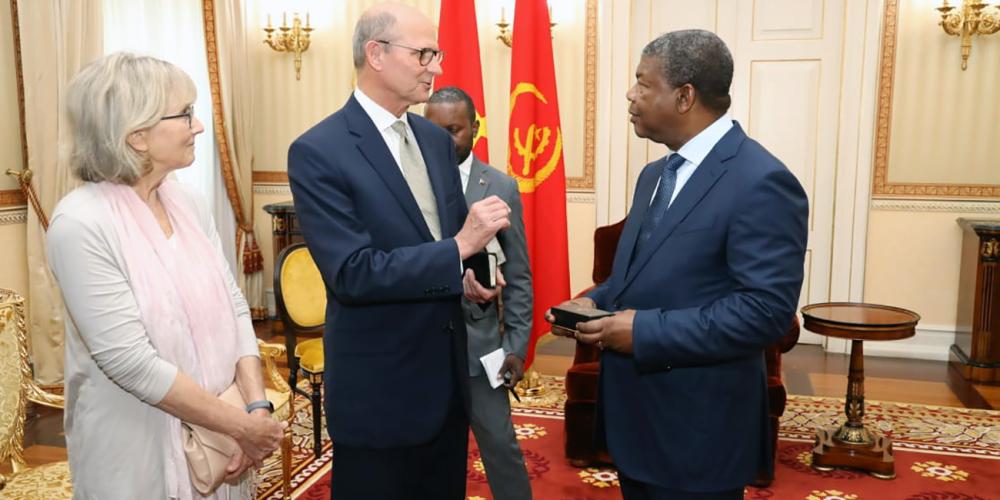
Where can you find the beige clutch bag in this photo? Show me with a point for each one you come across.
(208, 452)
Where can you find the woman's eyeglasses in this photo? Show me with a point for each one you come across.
(187, 114)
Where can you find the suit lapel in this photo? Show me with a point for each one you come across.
(373, 148)
(711, 169)
(640, 204)
(479, 181)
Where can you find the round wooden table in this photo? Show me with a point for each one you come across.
(852, 445)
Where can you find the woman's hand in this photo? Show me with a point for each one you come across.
(259, 436)
(237, 466)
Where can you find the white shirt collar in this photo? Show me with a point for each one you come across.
(694, 152)
(696, 149)
(465, 170)
(382, 118)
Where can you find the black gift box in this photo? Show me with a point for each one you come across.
(568, 315)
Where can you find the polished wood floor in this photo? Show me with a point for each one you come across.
(807, 370)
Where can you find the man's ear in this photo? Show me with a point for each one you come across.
(373, 55)
(685, 98)
(137, 140)
(475, 129)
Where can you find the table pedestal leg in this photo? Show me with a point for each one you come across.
(852, 445)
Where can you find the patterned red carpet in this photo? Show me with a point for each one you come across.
(941, 453)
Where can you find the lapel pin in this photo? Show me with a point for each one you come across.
(482, 182)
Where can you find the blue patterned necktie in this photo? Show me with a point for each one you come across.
(661, 200)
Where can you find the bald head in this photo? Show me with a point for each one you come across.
(384, 22)
(396, 55)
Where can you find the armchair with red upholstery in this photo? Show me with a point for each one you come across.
(581, 378)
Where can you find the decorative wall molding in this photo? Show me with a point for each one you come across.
(12, 198)
(589, 103)
(881, 184)
(270, 177)
(581, 197)
(13, 216)
(272, 189)
(905, 205)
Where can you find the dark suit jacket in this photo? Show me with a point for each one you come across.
(482, 324)
(717, 282)
(394, 340)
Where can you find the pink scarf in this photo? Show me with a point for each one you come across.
(180, 288)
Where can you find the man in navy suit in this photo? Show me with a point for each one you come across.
(706, 274)
(382, 211)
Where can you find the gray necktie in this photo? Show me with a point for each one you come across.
(415, 173)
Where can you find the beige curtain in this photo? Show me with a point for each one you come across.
(232, 106)
(57, 38)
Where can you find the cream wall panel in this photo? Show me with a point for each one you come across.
(612, 128)
(669, 15)
(913, 262)
(10, 125)
(943, 122)
(13, 254)
(855, 150)
(580, 218)
(784, 102)
(283, 106)
(787, 19)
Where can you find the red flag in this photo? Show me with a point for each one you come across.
(459, 39)
(535, 159)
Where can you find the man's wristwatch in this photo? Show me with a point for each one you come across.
(263, 403)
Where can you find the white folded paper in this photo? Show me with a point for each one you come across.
(492, 363)
(493, 246)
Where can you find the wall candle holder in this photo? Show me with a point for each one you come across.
(294, 38)
(973, 18)
(506, 35)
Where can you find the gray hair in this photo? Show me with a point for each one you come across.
(371, 26)
(697, 57)
(111, 98)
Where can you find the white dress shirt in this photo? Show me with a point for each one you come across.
(695, 151)
(465, 170)
(383, 120)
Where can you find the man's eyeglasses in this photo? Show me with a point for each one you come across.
(426, 54)
(187, 114)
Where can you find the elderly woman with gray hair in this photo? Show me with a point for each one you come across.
(157, 327)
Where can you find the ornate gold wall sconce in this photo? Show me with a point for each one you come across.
(973, 18)
(293, 39)
(506, 31)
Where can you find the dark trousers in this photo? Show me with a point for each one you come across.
(635, 490)
(431, 471)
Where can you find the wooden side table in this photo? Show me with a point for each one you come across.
(852, 445)
(284, 224)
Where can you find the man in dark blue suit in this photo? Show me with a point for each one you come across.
(707, 273)
(382, 211)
